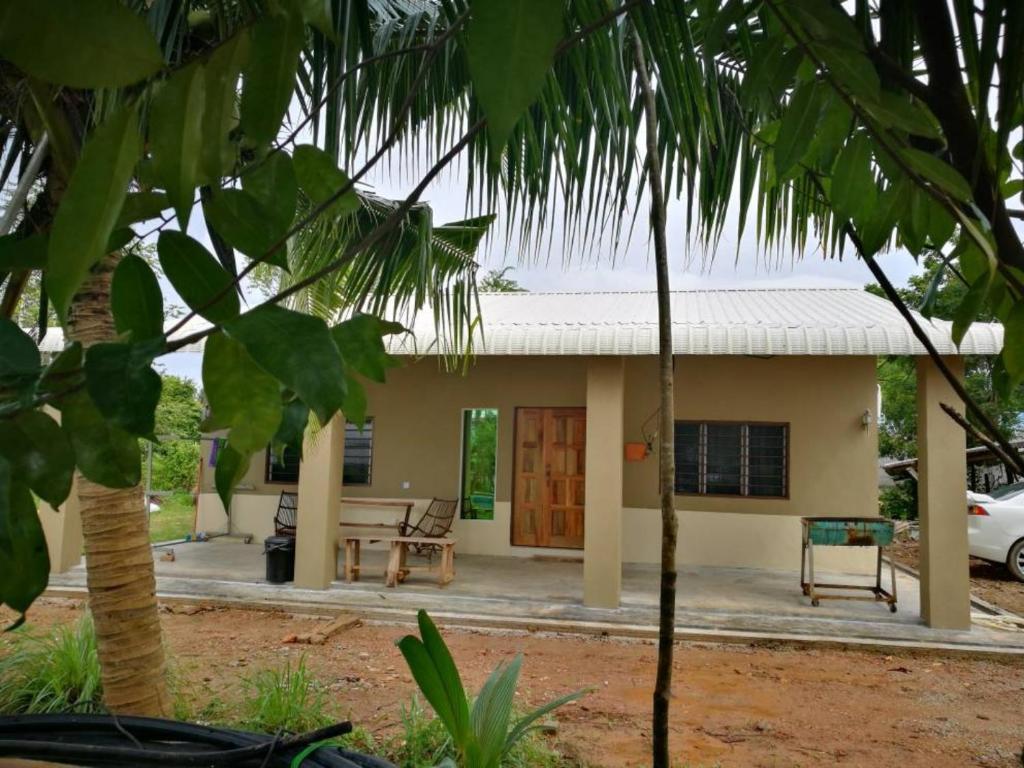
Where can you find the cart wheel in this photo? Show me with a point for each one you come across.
(892, 607)
(815, 602)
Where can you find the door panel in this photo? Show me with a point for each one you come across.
(550, 462)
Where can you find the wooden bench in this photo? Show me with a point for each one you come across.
(398, 568)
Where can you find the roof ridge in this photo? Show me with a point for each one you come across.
(807, 289)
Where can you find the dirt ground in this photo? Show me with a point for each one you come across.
(736, 705)
(989, 581)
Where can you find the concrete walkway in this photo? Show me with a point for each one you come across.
(741, 604)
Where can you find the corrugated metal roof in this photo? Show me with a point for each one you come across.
(790, 321)
(773, 321)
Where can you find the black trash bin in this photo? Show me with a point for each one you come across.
(280, 552)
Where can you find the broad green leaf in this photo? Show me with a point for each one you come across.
(833, 130)
(893, 111)
(318, 14)
(142, 206)
(176, 137)
(17, 252)
(851, 69)
(510, 46)
(320, 178)
(492, 711)
(428, 679)
(122, 383)
(292, 429)
(231, 468)
(91, 206)
(360, 341)
(94, 44)
(270, 75)
(853, 190)
(24, 558)
(104, 452)
(119, 238)
(298, 351)
(40, 453)
(799, 123)
(64, 371)
(876, 222)
(764, 65)
(823, 22)
(239, 218)
(197, 277)
(449, 673)
(218, 152)
(355, 403)
(1013, 343)
(272, 184)
(732, 12)
(136, 300)
(19, 356)
(969, 309)
(937, 172)
(242, 396)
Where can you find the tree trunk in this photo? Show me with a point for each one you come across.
(118, 556)
(666, 426)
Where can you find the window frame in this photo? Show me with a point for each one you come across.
(744, 458)
(268, 463)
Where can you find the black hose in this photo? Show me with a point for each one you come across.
(103, 740)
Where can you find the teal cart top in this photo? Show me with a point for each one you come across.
(849, 531)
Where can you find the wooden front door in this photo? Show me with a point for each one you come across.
(550, 458)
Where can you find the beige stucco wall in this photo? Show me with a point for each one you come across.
(417, 437)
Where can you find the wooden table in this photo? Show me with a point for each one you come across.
(398, 568)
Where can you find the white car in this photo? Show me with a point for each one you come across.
(995, 527)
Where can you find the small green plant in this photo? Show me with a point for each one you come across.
(482, 736)
(58, 672)
(284, 699)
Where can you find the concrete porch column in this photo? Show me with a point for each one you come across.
(602, 532)
(316, 535)
(942, 492)
(63, 530)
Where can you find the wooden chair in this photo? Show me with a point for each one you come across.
(287, 516)
(436, 523)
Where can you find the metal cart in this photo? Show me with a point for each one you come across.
(847, 532)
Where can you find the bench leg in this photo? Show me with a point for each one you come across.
(447, 565)
(394, 563)
(351, 560)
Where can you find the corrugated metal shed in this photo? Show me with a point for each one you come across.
(791, 321)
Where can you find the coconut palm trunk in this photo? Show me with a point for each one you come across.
(119, 559)
(666, 424)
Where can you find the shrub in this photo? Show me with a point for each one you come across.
(284, 699)
(899, 502)
(59, 672)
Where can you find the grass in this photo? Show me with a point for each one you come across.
(284, 699)
(58, 672)
(174, 520)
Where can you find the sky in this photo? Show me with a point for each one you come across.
(628, 268)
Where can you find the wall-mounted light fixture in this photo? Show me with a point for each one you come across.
(866, 419)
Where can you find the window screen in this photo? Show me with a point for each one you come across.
(355, 471)
(731, 458)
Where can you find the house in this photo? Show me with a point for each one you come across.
(549, 441)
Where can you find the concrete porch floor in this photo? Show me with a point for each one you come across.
(713, 603)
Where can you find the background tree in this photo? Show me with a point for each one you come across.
(495, 281)
(178, 416)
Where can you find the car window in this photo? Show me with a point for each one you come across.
(1007, 491)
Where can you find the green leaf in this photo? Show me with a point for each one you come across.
(360, 341)
(318, 14)
(239, 218)
(355, 403)
(319, 177)
(524, 724)
(833, 130)
(123, 385)
(723, 17)
(64, 371)
(492, 711)
(969, 309)
(510, 46)
(19, 356)
(242, 396)
(823, 22)
(39, 453)
(798, 127)
(104, 452)
(298, 351)
(19, 252)
(231, 468)
(272, 184)
(270, 75)
(1013, 343)
(894, 111)
(427, 678)
(853, 190)
(136, 300)
(937, 172)
(197, 277)
(292, 429)
(218, 152)
(176, 137)
(851, 69)
(95, 44)
(449, 673)
(142, 206)
(91, 206)
(24, 558)
(119, 238)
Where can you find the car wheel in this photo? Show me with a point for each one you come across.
(1015, 562)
